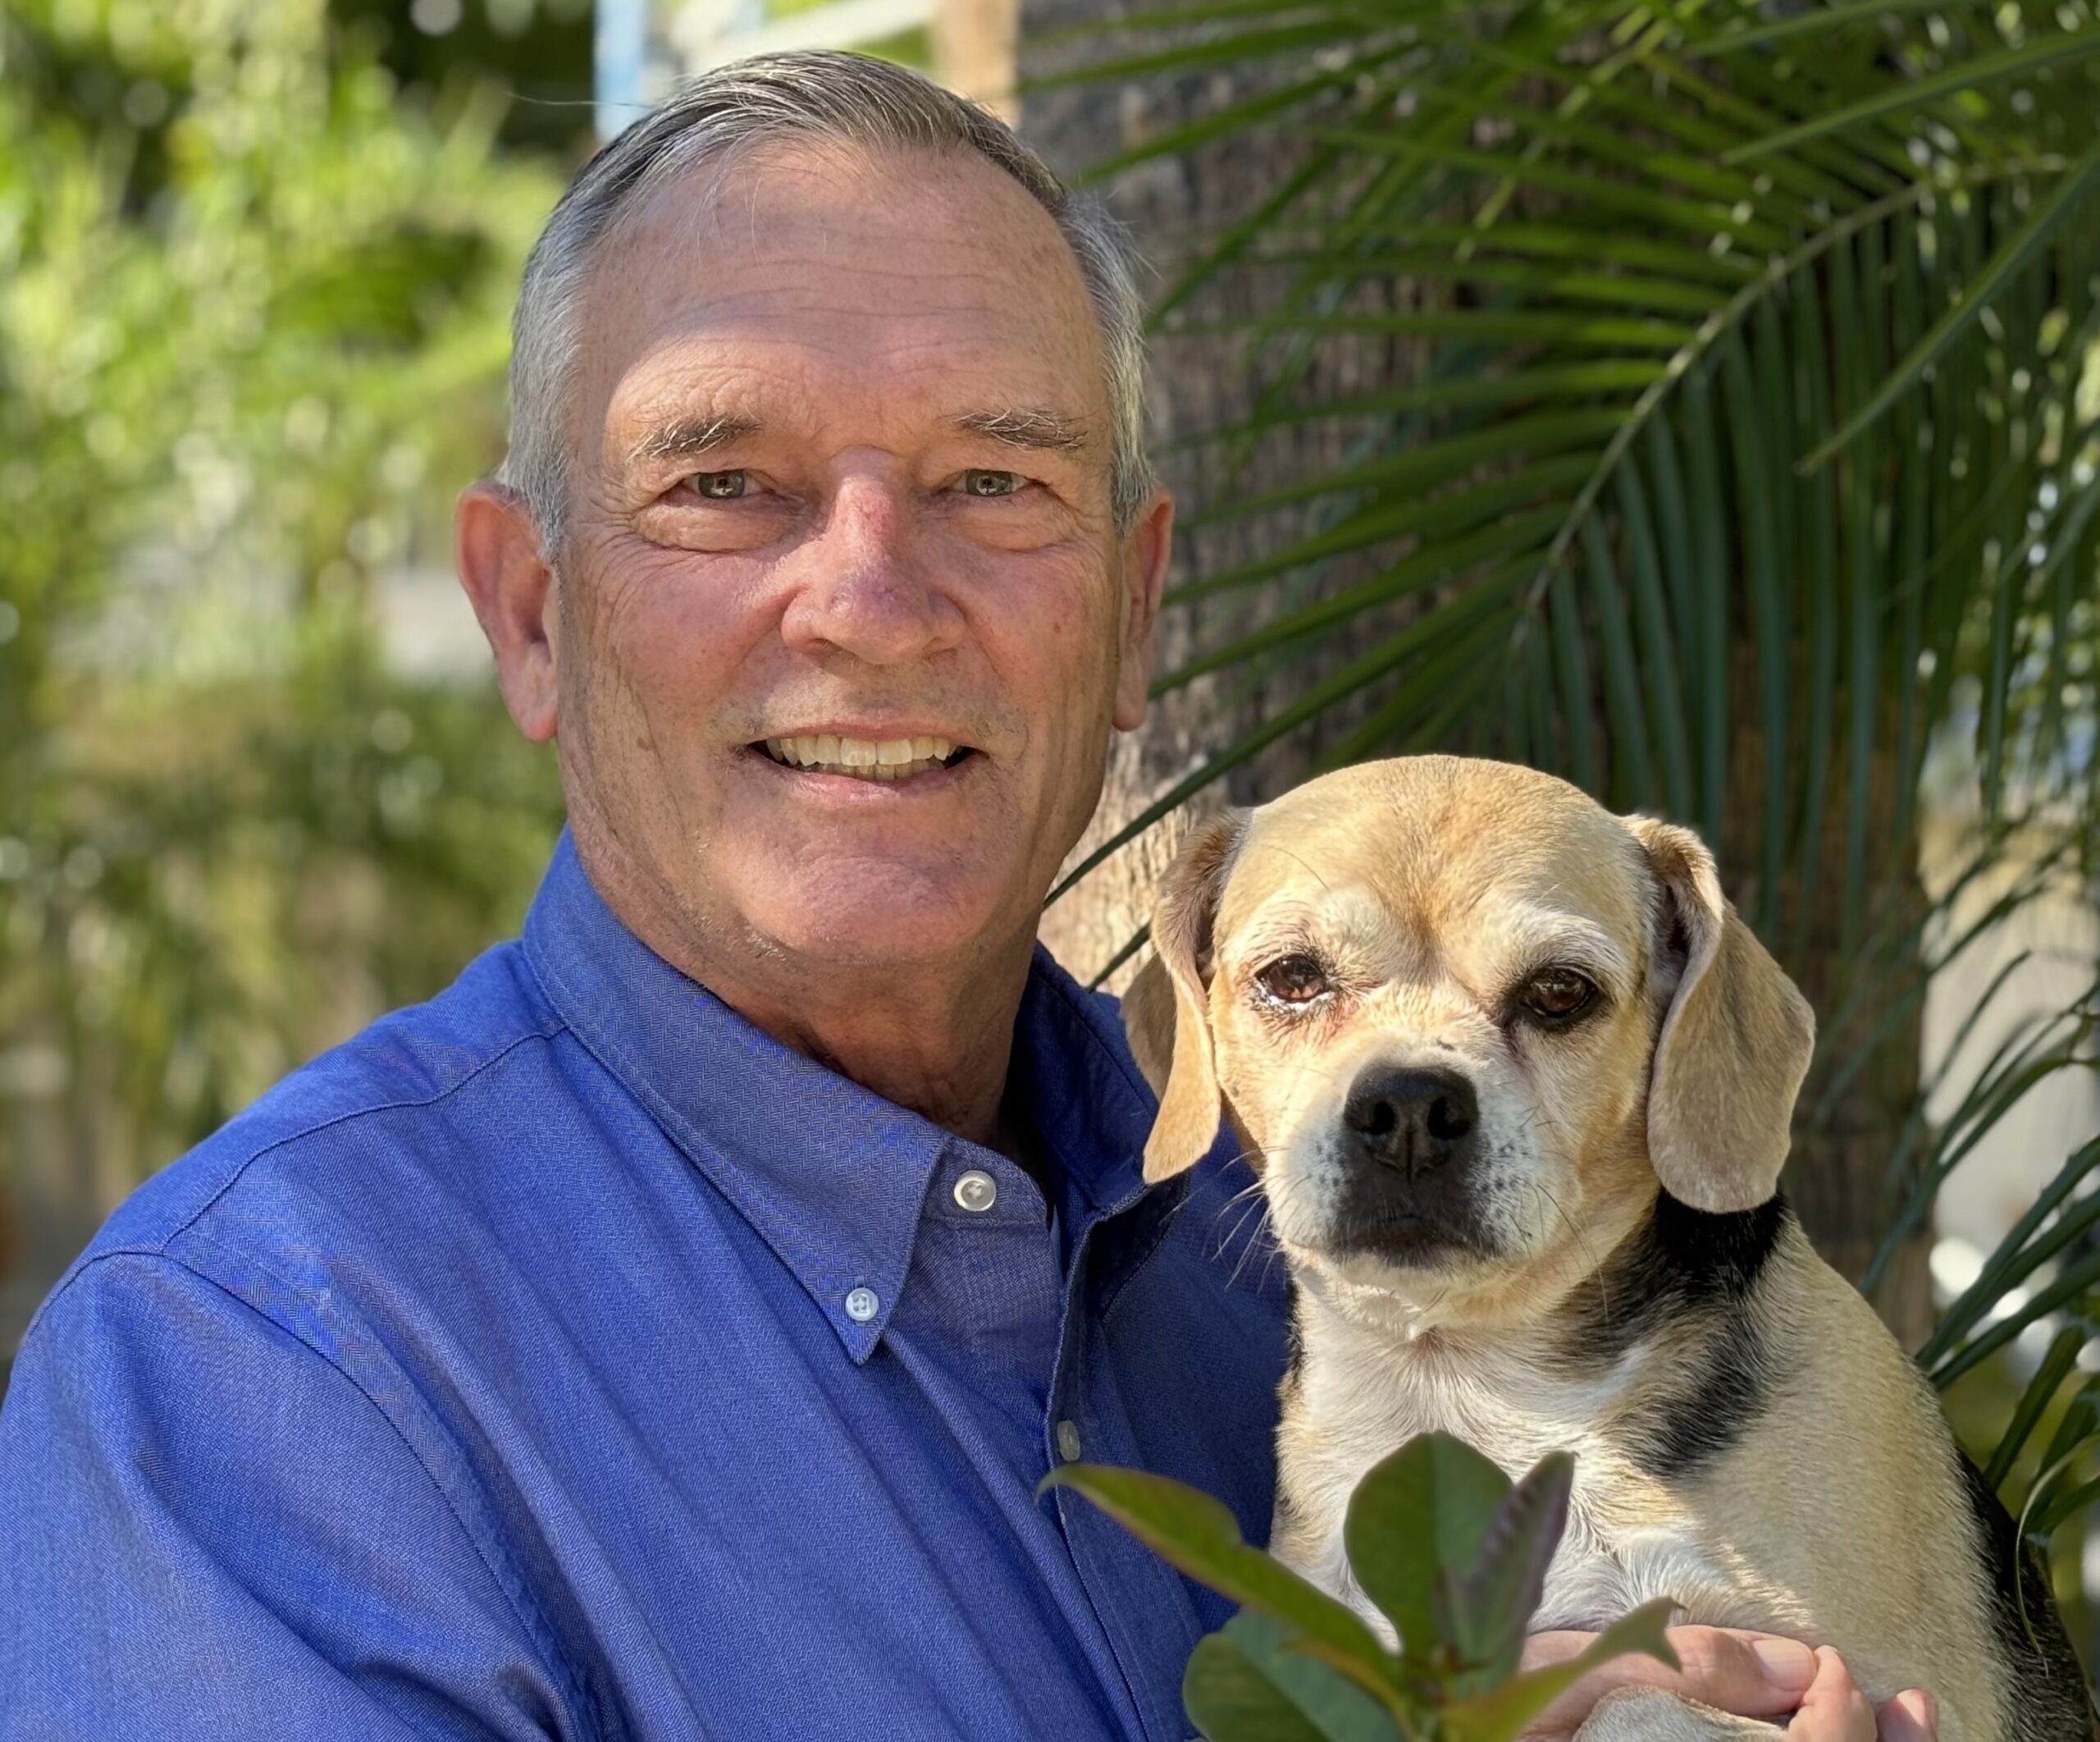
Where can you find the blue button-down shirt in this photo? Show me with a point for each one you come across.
(566, 1358)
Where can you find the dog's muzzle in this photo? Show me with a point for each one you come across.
(1409, 1145)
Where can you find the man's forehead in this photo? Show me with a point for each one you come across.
(795, 273)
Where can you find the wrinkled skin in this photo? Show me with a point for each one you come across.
(858, 315)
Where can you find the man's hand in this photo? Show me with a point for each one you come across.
(1753, 1674)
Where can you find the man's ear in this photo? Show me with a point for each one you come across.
(1166, 1012)
(1734, 1044)
(497, 548)
(1148, 553)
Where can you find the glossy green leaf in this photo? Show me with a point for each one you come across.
(1417, 1516)
(1200, 1536)
(1255, 1683)
(1489, 1606)
(1230, 1700)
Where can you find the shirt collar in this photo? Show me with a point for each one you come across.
(833, 1176)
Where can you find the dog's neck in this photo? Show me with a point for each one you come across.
(1520, 1376)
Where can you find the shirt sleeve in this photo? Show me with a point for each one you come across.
(207, 1531)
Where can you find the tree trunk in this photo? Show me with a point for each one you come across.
(1198, 383)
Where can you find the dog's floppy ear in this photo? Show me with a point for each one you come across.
(1166, 1012)
(1734, 1044)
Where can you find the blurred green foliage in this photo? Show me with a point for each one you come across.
(254, 309)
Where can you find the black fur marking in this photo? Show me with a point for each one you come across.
(1684, 1269)
(2046, 1700)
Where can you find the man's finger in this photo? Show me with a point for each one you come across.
(1750, 1674)
(1913, 1716)
(1833, 1709)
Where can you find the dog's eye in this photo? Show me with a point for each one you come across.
(1295, 979)
(1557, 995)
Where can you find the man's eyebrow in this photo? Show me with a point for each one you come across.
(1024, 426)
(690, 438)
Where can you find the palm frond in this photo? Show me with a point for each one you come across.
(1860, 270)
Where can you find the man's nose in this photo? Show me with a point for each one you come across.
(862, 587)
(1414, 1119)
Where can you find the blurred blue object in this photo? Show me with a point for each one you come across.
(619, 43)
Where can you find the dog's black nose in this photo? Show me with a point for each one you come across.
(1412, 1119)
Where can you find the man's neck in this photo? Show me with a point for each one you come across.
(943, 1054)
(935, 1038)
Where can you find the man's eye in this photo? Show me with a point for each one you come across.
(1295, 980)
(717, 487)
(1557, 995)
(990, 483)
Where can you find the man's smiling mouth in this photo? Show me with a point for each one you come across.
(864, 758)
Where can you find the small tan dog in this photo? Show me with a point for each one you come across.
(1517, 1082)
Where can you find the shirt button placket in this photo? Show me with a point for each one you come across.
(976, 1191)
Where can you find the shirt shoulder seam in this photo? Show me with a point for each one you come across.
(318, 1126)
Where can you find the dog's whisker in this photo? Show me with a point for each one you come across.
(1252, 1212)
(1582, 1240)
(1245, 1253)
(1261, 1228)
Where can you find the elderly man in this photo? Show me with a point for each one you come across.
(662, 1334)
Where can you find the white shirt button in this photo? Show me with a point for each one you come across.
(976, 1191)
(1068, 1441)
(862, 1305)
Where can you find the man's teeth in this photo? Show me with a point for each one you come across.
(869, 758)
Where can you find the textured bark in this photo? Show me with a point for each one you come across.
(973, 43)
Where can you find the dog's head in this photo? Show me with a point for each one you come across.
(1465, 1021)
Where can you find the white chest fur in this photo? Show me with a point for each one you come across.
(1630, 1539)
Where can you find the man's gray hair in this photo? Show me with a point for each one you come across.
(848, 99)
